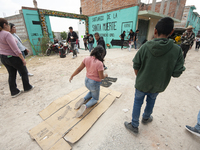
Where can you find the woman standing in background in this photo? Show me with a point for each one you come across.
(19, 43)
(12, 59)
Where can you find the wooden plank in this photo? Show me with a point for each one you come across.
(61, 102)
(82, 127)
(61, 145)
(45, 135)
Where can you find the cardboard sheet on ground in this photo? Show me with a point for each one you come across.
(59, 119)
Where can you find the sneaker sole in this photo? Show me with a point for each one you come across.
(17, 94)
(197, 134)
(79, 103)
(145, 123)
(80, 111)
(130, 130)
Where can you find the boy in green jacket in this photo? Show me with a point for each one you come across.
(154, 64)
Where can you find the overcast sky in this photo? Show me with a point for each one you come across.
(12, 7)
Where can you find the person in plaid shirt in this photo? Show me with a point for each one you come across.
(187, 39)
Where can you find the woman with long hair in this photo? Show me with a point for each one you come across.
(12, 59)
(95, 69)
(22, 48)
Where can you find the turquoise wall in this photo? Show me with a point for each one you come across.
(48, 24)
(111, 25)
(193, 20)
(35, 30)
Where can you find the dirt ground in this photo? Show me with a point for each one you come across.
(176, 107)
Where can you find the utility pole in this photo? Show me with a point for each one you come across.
(153, 6)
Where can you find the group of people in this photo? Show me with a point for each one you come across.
(132, 38)
(154, 64)
(88, 42)
(12, 54)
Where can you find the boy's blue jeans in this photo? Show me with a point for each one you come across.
(139, 98)
(198, 122)
(90, 46)
(135, 44)
(94, 87)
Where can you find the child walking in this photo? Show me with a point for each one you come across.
(94, 68)
(154, 64)
(130, 44)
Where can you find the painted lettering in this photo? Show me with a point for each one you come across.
(96, 27)
(109, 26)
(115, 15)
(100, 18)
(108, 16)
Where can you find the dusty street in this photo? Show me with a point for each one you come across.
(176, 107)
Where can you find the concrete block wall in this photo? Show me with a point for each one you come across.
(18, 20)
(172, 8)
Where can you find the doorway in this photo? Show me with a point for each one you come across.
(143, 26)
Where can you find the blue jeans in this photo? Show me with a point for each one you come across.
(90, 46)
(135, 44)
(139, 98)
(94, 87)
(198, 122)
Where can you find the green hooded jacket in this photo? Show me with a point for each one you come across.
(156, 61)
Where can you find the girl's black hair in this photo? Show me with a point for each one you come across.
(98, 52)
(11, 25)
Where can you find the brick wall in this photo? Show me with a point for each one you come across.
(94, 7)
(21, 31)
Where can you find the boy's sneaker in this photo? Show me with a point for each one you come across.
(145, 121)
(193, 130)
(79, 103)
(81, 111)
(13, 96)
(132, 129)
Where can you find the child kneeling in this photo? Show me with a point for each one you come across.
(94, 68)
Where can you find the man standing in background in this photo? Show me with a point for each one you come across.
(122, 36)
(187, 39)
(90, 41)
(72, 38)
(135, 38)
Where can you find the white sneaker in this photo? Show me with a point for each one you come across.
(79, 103)
(73, 57)
(81, 111)
(30, 74)
(13, 96)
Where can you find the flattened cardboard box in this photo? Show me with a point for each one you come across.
(61, 122)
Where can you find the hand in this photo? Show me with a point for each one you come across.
(27, 50)
(106, 75)
(24, 62)
(71, 78)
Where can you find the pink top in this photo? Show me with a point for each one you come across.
(8, 44)
(93, 66)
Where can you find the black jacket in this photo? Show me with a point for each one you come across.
(74, 35)
(101, 42)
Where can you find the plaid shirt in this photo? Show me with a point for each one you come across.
(188, 39)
